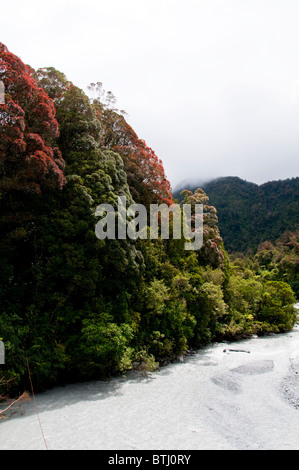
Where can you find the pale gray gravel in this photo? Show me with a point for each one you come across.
(214, 400)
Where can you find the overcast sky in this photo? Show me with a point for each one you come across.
(211, 85)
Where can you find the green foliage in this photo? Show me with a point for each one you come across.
(105, 345)
(276, 311)
(78, 307)
(280, 260)
(157, 294)
(259, 305)
(249, 214)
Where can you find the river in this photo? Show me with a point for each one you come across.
(228, 396)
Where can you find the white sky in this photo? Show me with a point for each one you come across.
(211, 85)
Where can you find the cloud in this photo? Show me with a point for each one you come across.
(212, 86)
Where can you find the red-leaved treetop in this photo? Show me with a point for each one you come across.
(145, 172)
(29, 158)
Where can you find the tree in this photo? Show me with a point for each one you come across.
(212, 252)
(30, 160)
(146, 176)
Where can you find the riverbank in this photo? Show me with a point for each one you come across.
(240, 396)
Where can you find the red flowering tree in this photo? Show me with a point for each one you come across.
(145, 172)
(30, 160)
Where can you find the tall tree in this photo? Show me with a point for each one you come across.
(212, 252)
(31, 171)
(30, 159)
(145, 172)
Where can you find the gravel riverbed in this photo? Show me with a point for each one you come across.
(241, 395)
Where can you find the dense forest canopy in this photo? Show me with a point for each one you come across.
(250, 214)
(77, 307)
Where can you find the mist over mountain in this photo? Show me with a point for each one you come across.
(249, 213)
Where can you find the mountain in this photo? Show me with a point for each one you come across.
(249, 213)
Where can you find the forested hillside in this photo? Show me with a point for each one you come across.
(77, 307)
(250, 214)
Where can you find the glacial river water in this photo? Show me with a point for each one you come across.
(241, 395)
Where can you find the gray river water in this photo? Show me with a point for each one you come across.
(242, 395)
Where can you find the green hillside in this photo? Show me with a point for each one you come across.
(249, 213)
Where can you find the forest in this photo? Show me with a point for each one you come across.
(79, 308)
(249, 214)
